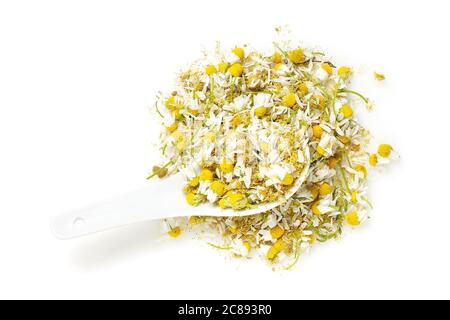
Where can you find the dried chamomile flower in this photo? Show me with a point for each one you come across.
(344, 72)
(384, 150)
(175, 232)
(379, 76)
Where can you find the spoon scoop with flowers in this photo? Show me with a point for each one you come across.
(163, 198)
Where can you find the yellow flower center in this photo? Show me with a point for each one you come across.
(384, 150)
(361, 168)
(325, 189)
(344, 139)
(297, 56)
(278, 66)
(236, 70)
(277, 57)
(206, 174)
(315, 208)
(289, 100)
(314, 190)
(332, 162)
(239, 52)
(172, 127)
(318, 101)
(276, 232)
(303, 89)
(260, 112)
(346, 111)
(194, 112)
(328, 69)
(194, 182)
(192, 199)
(175, 232)
(272, 253)
(280, 244)
(352, 218)
(317, 131)
(210, 69)
(344, 72)
(321, 151)
(236, 120)
(218, 187)
(287, 180)
(170, 103)
(354, 196)
(373, 160)
(223, 67)
(237, 200)
(226, 166)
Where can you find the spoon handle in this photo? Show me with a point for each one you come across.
(159, 200)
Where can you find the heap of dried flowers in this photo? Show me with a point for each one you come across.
(237, 123)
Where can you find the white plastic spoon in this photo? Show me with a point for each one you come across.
(163, 198)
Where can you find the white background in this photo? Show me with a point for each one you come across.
(77, 79)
